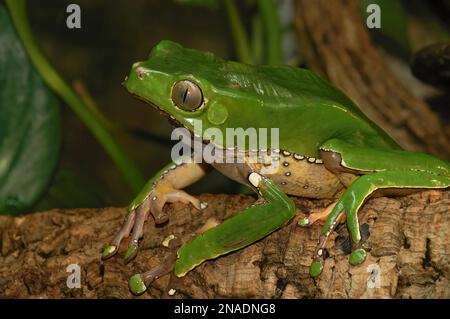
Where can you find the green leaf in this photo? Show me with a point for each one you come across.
(29, 126)
(393, 34)
(212, 4)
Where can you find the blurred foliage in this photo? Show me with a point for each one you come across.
(70, 190)
(393, 33)
(213, 4)
(29, 126)
(399, 18)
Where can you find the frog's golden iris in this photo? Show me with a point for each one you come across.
(187, 95)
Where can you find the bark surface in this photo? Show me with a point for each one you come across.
(409, 254)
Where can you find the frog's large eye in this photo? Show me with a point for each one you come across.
(187, 95)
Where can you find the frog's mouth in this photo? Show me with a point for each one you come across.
(172, 120)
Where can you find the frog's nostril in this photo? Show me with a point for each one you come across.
(142, 72)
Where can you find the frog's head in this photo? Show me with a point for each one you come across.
(188, 85)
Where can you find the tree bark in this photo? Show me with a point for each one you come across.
(334, 42)
(408, 251)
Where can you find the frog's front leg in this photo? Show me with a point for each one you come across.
(164, 187)
(273, 211)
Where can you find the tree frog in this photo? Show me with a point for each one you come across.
(327, 149)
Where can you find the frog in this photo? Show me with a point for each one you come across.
(327, 148)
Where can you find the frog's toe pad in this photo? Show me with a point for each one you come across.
(357, 256)
(137, 285)
(316, 268)
(130, 254)
(109, 251)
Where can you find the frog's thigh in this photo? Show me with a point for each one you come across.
(248, 226)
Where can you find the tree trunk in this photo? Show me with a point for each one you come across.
(408, 253)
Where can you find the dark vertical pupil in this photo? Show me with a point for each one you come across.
(185, 95)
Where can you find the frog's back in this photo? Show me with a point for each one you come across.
(281, 94)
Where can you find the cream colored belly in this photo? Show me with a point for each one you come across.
(296, 175)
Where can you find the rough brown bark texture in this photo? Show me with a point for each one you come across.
(408, 243)
(334, 42)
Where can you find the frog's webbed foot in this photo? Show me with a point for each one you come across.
(136, 218)
(164, 188)
(138, 283)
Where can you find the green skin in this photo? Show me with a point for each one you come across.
(315, 120)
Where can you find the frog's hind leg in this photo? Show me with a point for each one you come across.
(356, 195)
(241, 230)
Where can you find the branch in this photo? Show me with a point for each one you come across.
(408, 240)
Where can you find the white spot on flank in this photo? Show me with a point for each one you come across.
(203, 205)
(254, 179)
(319, 161)
(320, 252)
(311, 159)
(298, 157)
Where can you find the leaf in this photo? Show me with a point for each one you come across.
(212, 4)
(393, 34)
(29, 126)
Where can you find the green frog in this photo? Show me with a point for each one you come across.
(325, 148)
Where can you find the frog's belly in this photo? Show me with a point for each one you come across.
(296, 175)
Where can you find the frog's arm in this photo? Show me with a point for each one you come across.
(163, 187)
(402, 170)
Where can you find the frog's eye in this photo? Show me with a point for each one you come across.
(187, 95)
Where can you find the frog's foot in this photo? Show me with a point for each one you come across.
(317, 265)
(134, 224)
(317, 216)
(135, 221)
(138, 283)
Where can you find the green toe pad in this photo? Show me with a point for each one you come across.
(357, 256)
(136, 285)
(130, 253)
(109, 251)
(316, 268)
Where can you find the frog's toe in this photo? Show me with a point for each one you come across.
(130, 253)
(139, 282)
(137, 285)
(316, 216)
(316, 268)
(109, 251)
(113, 247)
(357, 256)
